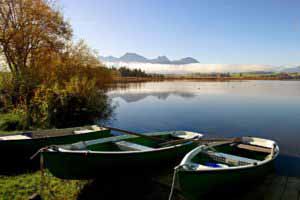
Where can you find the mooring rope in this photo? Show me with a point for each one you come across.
(173, 182)
(41, 150)
(42, 169)
(45, 181)
(42, 166)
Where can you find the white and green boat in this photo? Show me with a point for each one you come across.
(212, 167)
(119, 154)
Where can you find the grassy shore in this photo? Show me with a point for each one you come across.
(111, 187)
(25, 185)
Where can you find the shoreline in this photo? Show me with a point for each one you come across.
(211, 79)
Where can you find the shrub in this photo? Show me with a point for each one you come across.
(79, 102)
(12, 121)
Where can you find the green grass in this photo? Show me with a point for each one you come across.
(25, 185)
(7, 132)
(9, 122)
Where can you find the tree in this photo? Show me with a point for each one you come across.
(79, 59)
(51, 80)
(28, 30)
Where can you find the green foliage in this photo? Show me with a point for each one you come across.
(79, 102)
(23, 186)
(12, 121)
(5, 91)
(69, 92)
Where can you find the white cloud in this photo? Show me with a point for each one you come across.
(195, 68)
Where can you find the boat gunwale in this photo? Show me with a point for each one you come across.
(120, 152)
(124, 137)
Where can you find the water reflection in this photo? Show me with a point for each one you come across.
(133, 92)
(133, 97)
(284, 89)
(269, 109)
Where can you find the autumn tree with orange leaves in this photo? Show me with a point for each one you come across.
(28, 30)
(47, 70)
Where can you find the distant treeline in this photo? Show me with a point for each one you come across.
(127, 72)
(131, 75)
(237, 76)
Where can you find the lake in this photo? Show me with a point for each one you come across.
(268, 109)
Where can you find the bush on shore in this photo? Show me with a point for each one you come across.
(79, 102)
(11, 121)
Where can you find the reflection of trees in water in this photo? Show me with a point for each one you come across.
(133, 97)
(125, 86)
(75, 114)
(110, 115)
(132, 92)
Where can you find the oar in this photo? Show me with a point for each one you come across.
(174, 142)
(136, 134)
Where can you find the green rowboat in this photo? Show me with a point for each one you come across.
(119, 154)
(16, 149)
(217, 166)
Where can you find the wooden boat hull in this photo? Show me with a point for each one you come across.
(196, 184)
(225, 167)
(17, 153)
(92, 165)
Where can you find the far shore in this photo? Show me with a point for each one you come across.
(183, 78)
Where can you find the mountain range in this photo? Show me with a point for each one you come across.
(136, 58)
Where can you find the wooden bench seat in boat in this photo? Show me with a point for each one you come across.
(231, 159)
(129, 146)
(254, 148)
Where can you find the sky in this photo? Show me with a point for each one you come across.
(212, 31)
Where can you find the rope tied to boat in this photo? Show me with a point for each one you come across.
(176, 169)
(41, 150)
(42, 169)
(43, 182)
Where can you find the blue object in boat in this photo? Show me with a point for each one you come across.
(215, 165)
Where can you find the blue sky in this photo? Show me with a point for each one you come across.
(212, 31)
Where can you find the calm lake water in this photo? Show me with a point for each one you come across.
(268, 109)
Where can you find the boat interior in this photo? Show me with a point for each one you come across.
(230, 155)
(51, 133)
(130, 142)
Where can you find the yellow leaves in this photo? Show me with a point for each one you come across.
(29, 27)
(35, 43)
(81, 86)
